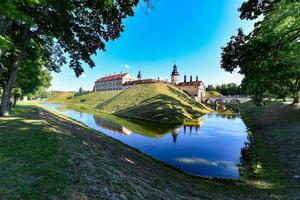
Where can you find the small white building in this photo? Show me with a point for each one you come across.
(196, 89)
(114, 82)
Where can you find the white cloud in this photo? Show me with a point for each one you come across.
(126, 66)
(203, 161)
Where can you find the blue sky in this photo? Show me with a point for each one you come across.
(191, 32)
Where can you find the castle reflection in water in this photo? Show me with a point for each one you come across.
(125, 127)
(211, 147)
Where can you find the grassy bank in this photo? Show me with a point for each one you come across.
(154, 102)
(212, 94)
(48, 156)
(275, 151)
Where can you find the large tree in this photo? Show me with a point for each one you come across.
(56, 29)
(268, 57)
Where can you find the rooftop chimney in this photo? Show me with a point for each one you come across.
(191, 78)
(197, 78)
(184, 79)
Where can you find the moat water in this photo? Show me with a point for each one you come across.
(211, 148)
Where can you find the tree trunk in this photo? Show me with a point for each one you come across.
(5, 24)
(8, 86)
(15, 101)
(296, 98)
(2, 69)
(284, 99)
(297, 93)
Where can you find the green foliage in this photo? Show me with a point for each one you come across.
(34, 78)
(5, 43)
(79, 28)
(210, 88)
(268, 57)
(224, 89)
(56, 33)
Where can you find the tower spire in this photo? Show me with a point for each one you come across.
(175, 75)
(139, 76)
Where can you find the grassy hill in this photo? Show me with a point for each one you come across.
(155, 102)
(90, 99)
(212, 94)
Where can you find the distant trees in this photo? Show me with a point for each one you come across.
(48, 32)
(226, 89)
(210, 88)
(268, 57)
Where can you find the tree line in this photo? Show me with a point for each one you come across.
(231, 89)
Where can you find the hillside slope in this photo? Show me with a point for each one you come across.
(212, 94)
(155, 102)
(90, 99)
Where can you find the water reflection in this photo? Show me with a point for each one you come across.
(112, 125)
(211, 147)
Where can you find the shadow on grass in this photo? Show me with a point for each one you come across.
(32, 164)
(187, 98)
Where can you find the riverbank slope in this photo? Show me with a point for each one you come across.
(48, 156)
(274, 157)
(157, 102)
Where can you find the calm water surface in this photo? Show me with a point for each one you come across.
(212, 148)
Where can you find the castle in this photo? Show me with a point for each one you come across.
(122, 81)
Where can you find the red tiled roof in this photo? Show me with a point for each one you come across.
(196, 83)
(144, 81)
(110, 78)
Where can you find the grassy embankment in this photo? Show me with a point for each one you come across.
(48, 156)
(212, 94)
(275, 152)
(155, 102)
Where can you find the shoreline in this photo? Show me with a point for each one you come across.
(96, 159)
(219, 179)
(92, 110)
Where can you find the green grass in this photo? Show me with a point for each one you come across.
(154, 102)
(90, 99)
(32, 163)
(48, 156)
(275, 150)
(212, 94)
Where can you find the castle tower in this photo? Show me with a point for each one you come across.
(175, 75)
(139, 76)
